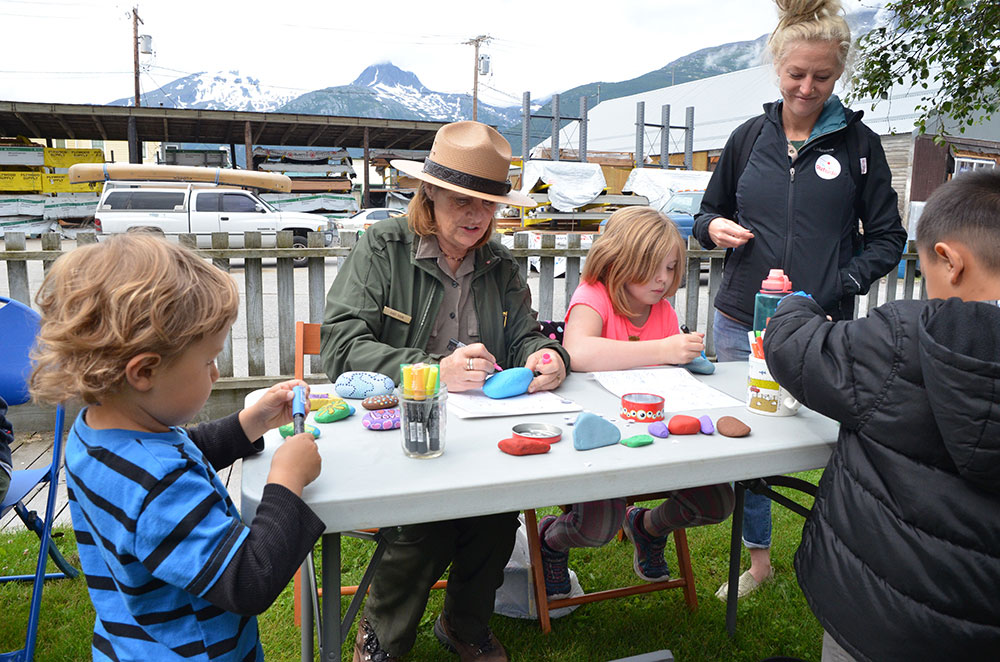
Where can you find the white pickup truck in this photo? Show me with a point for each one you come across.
(201, 209)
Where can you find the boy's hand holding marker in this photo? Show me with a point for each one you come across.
(274, 409)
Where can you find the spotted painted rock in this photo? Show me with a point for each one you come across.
(357, 385)
(380, 402)
(335, 410)
(523, 446)
(729, 426)
(288, 430)
(682, 424)
(381, 419)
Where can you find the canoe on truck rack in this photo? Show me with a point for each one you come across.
(100, 172)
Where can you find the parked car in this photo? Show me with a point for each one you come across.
(362, 220)
(681, 208)
(201, 209)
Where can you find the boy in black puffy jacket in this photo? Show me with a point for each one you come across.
(900, 558)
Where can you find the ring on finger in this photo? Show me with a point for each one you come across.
(468, 364)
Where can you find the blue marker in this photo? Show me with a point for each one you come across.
(685, 329)
(299, 409)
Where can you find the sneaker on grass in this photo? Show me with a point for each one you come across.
(555, 565)
(648, 561)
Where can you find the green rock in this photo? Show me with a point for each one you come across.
(288, 430)
(638, 440)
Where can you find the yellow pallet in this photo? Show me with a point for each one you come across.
(20, 181)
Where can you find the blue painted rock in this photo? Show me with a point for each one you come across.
(508, 383)
(682, 424)
(358, 385)
(700, 366)
(706, 425)
(380, 402)
(288, 430)
(592, 431)
(381, 419)
(523, 446)
(334, 410)
(658, 429)
(637, 441)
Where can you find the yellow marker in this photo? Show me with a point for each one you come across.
(407, 381)
(432, 380)
(419, 381)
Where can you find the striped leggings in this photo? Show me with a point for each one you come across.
(594, 523)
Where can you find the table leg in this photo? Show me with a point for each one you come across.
(331, 641)
(306, 612)
(735, 543)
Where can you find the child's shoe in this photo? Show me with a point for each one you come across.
(648, 561)
(555, 565)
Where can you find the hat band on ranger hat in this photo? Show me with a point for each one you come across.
(465, 180)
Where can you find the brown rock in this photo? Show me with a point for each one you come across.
(729, 426)
(380, 402)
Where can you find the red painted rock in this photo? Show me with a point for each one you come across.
(729, 426)
(523, 446)
(681, 424)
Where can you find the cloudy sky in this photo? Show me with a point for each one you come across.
(80, 51)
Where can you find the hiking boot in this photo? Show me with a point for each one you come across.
(555, 565)
(487, 650)
(366, 646)
(648, 561)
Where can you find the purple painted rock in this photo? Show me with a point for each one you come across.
(729, 426)
(706, 425)
(380, 402)
(658, 429)
(358, 385)
(381, 419)
(523, 446)
(508, 383)
(682, 424)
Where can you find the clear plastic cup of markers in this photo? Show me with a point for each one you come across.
(422, 424)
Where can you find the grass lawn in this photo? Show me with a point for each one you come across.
(774, 621)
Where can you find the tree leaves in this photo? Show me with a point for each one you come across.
(948, 44)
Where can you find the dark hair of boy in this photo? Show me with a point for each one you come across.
(966, 209)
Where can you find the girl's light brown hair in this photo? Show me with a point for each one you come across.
(104, 303)
(810, 20)
(634, 243)
(420, 215)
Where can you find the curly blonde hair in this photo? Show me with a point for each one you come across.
(102, 304)
(634, 242)
(810, 20)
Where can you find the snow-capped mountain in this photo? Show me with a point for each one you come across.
(222, 90)
(385, 90)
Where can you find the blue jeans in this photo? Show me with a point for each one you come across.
(732, 344)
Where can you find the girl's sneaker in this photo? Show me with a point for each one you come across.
(648, 561)
(555, 565)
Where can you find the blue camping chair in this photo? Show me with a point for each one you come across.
(18, 328)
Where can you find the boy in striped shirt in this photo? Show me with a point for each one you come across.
(131, 326)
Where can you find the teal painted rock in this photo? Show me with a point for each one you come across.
(700, 366)
(334, 410)
(508, 383)
(359, 385)
(637, 440)
(591, 431)
(658, 429)
(288, 430)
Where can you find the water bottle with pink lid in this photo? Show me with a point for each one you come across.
(773, 288)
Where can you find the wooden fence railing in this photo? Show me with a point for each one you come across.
(703, 275)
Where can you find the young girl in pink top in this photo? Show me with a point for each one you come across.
(618, 318)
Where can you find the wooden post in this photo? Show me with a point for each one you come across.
(248, 142)
(366, 193)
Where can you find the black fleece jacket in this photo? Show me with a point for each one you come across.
(803, 219)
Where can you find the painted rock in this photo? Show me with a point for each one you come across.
(317, 400)
(523, 446)
(592, 431)
(358, 385)
(333, 411)
(682, 424)
(658, 429)
(637, 440)
(381, 419)
(729, 426)
(508, 383)
(700, 366)
(288, 430)
(380, 402)
(706, 425)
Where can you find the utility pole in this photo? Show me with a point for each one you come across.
(135, 50)
(475, 41)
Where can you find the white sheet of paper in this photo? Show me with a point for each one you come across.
(679, 389)
(474, 404)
